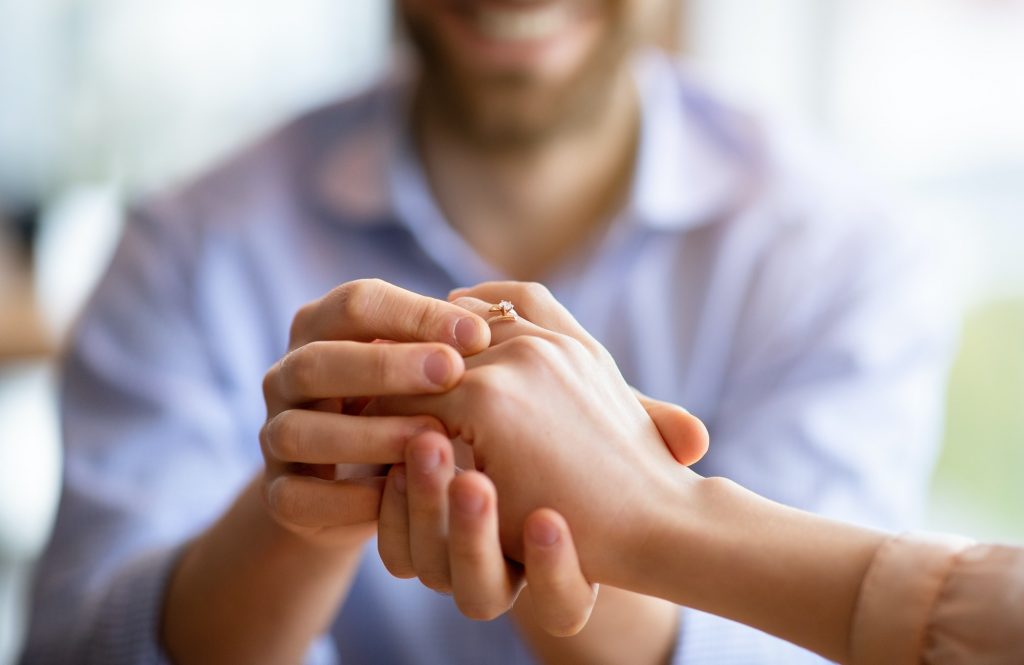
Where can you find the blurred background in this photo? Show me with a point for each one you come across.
(102, 101)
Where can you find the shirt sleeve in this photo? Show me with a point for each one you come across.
(153, 452)
(834, 393)
(706, 638)
(943, 601)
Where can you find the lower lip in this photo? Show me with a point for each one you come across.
(487, 49)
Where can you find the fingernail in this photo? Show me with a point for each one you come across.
(426, 459)
(437, 368)
(467, 502)
(399, 478)
(542, 533)
(466, 333)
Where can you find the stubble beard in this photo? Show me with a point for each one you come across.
(514, 112)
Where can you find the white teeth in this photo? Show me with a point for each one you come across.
(521, 24)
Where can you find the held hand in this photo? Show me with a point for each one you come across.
(685, 436)
(554, 425)
(314, 396)
(450, 539)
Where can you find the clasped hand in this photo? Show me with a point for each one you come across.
(510, 459)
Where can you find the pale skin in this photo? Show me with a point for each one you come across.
(266, 579)
(665, 531)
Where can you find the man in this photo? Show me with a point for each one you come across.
(722, 269)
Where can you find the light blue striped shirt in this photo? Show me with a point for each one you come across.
(746, 279)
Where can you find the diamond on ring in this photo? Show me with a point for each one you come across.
(505, 310)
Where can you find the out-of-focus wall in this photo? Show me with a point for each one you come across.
(927, 97)
(102, 101)
(146, 91)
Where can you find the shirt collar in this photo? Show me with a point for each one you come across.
(354, 153)
(693, 159)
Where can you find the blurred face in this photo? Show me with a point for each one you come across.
(518, 71)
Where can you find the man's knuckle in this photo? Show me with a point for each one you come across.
(378, 362)
(425, 319)
(301, 321)
(283, 436)
(392, 366)
(436, 580)
(284, 500)
(264, 439)
(481, 609)
(299, 368)
(345, 299)
(398, 566)
(354, 299)
(270, 382)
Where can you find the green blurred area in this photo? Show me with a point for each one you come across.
(979, 484)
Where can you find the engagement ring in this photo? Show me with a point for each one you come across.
(506, 311)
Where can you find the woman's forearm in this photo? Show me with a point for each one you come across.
(249, 591)
(717, 547)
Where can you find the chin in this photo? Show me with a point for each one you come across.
(517, 71)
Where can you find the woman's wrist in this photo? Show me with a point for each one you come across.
(690, 530)
(664, 511)
(695, 538)
(712, 545)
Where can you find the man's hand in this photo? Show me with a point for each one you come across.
(442, 527)
(315, 393)
(263, 581)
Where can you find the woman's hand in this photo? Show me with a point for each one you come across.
(538, 408)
